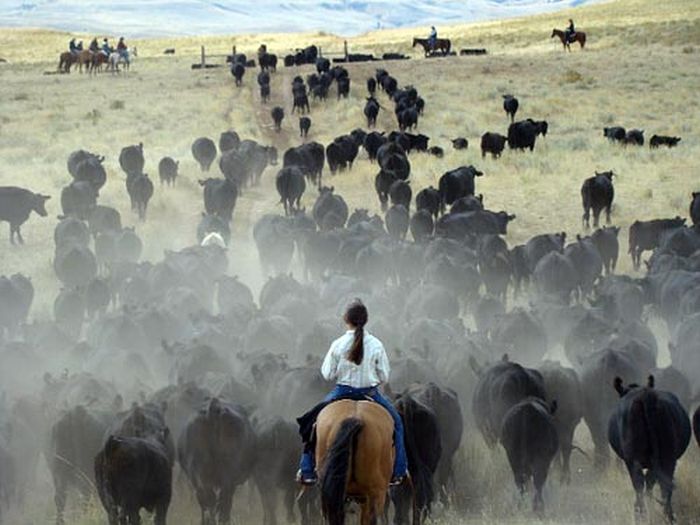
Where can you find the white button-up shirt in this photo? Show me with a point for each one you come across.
(373, 370)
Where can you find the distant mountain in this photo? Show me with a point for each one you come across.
(145, 18)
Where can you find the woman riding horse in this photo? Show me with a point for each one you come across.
(357, 361)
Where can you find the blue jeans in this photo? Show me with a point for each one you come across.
(307, 464)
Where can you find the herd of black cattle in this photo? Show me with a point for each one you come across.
(174, 362)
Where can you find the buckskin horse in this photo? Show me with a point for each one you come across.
(579, 36)
(442, 44)
(355, 456)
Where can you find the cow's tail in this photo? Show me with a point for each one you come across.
(338, 466)
(650, 420)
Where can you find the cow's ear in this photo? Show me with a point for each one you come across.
(505, 358)
(511, 217)
(650, 381)
(617, 383)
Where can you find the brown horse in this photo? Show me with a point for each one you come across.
(355, 456)
(442, 44)
(65, 61)
(84, 59)
(98, 60)
(579, 36)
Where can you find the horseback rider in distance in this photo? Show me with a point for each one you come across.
(570, 31)
(358, 362)
(432, 38)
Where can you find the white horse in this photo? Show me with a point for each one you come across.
(115, 58)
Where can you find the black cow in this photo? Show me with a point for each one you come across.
(392, 158)
(424, 450)
(597, 193)
(291, 186)
(635, 137)
(646, 235)
(131, 159)
(615, 134)
(530, 438)
(605, 241)
(663, 140)
(267, 61)
(400, 193)
(695, 208)
(16, 204)
(140, 189)
(510, 106)
(330, 211)
(481, 222)
(492, 143)
(562, 384)
(323, 65)
(229, 140)
(457, 183)
(397, 220)
(204, 152)
(92, 171)
(277, 114)
(500, 387)
(371, 111)
(596, 371)
(468, 203)
(343, 85)
(276, 462)
(649, 430)
(216, 452)
(429, 199)
(133, 470)
(460, 143)
(167, 170)
(16, 297)
(371, 86)
(238, 70)
(523, 134)
(132, 473)
(696, 425)
(75, 440)
(304, 126)
(220, 197)
(436, 151)
(309, 158)
(421, 225)
(372, 142)
(78, 199)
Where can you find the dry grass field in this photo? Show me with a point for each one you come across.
(641, 69)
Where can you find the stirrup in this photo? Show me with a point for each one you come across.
(308, 479)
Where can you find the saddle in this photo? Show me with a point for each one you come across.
(307, 422)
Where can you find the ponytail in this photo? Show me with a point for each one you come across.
(356, 316)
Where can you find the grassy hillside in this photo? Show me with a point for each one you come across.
(640, 70)
(617, 22)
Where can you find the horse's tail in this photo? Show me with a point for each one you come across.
(337, 469)
(582, 37)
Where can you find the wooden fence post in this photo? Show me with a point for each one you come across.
(345, 48)
(320, 52)
(234, 50)
(204, 59)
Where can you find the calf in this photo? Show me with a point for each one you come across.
(605, 241)
(510, 106)
(634, 137)
(429, 199)
(371, 111)
(277, 116)
(662, 140)
(492, 143)
(16, 204)
(290, 186)
(238, 70)
(204, 152)
(645, 235)
(371, 86)
(530, 439)
(140, 189)
(304, 126)
(460, 143)
(649, 430)
(167, 171)
(597, 193)
(615, 134)
(457, 183)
